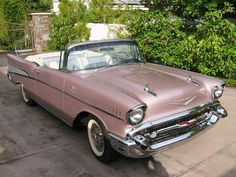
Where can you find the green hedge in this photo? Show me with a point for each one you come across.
(206, 45)
(230, 82)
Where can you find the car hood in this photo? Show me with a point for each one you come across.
(171, 91)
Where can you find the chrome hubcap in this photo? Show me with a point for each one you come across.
(97, 138)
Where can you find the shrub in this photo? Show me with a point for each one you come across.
(216, 47)
(163, 40)
(100, 11)
(229, 82)
(208, 45)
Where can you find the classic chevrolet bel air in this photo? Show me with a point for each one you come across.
(129, 106)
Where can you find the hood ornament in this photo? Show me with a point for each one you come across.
(190, 79)
(149, 90)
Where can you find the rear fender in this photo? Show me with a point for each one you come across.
(19, 66)
(21, 71)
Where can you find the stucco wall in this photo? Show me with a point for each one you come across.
(99, 31)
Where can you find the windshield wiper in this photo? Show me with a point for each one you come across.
(106, 66)
(129, 61)
(124, 62)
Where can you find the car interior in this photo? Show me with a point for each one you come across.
(78, 60)
(50, 60)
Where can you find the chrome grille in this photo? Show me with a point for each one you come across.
(174, 128)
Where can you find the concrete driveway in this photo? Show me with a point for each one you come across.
(34, 143)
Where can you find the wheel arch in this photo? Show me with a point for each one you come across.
(83, 117)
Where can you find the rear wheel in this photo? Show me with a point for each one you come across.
(26, 97)
(99, 143)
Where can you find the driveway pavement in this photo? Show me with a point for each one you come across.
(34, 143)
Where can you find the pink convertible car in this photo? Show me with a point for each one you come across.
(129, 106)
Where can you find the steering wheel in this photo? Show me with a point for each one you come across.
(116, 59)
(122, 54)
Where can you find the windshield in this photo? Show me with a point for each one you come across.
(102, 55)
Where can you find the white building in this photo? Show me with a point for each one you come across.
(132, 4)
(56, 6)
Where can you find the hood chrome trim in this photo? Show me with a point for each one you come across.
(149, 90)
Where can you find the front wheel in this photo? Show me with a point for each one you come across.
(26, 97)
(99, 143)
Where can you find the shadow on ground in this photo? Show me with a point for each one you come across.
(230, 173)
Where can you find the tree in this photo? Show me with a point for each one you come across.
(69, 25)
(187, 8)
(100, 11)
(14, 11)
(14, 19)
(3, 28)
(12, 22)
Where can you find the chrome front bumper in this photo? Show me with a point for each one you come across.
(146, 139)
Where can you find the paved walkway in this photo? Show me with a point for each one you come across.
(211, 154)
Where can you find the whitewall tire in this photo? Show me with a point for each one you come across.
(98, 141)
(26, 97)
(96, 138)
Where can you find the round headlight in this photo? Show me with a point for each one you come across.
(218, 91)
(136, 115)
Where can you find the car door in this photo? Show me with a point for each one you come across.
(49, 89)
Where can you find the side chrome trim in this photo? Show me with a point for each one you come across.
(95, 107)
(16, 70)
(25, 74)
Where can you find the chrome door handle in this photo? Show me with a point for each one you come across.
(37, 71)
